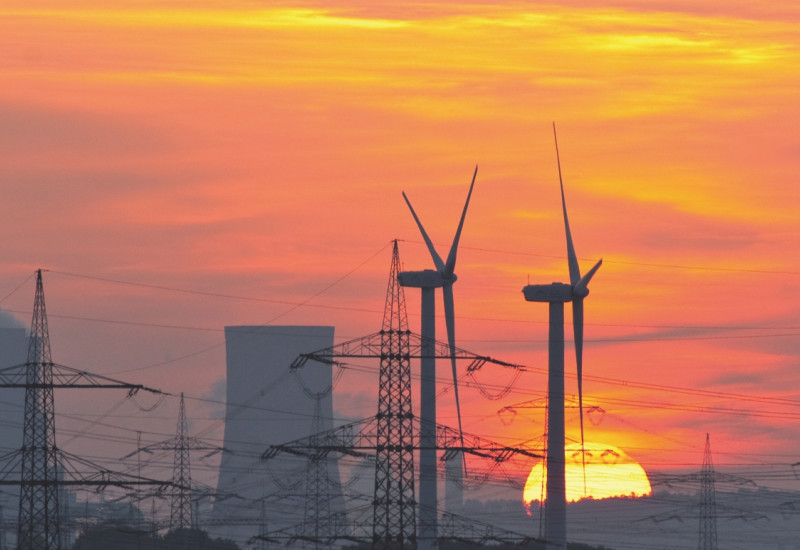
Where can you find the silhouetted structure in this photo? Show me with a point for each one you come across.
(317, 510)
(266, 406)
(708, 504)
(182, 494)
(44, 468)
(38, 502)
(13, 351)
(706, 508)
(428, 281)
(391, 436)
(556, 294)
(394, 524)
(180, 514)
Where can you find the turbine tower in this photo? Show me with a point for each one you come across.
(556, 295)
(427, 281)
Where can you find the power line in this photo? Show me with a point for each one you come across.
(28, 278)
(623, 262)
(643, 338)
(294, 305)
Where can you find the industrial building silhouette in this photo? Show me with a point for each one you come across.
(265, 406)
(13, 350)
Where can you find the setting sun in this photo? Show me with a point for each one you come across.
(609, 473)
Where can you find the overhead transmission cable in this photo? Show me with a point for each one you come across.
(305, 303)
(624, 262)
(270, 321)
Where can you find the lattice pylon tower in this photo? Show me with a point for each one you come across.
(262, 530)
(317, 512)
(180, 513)
(708, 503)
(395, 524)
(38, 527)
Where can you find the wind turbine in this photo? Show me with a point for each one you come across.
(427, 281)
(557, 294)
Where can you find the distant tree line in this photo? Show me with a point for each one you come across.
(466, 545)
(123, 537)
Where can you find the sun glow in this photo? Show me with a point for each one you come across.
(609, 473)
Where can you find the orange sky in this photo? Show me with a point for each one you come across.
(241, 149)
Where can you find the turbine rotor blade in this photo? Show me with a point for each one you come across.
(577, 326)
(449, 318)
(437, 260)
(450, 265)
(572, 259)
(581, 289)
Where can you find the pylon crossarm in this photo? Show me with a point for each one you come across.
(720, 477)
(679, 514)
(351, 439)
(361, 439)
(730, 513)
(448, 439)
(697, 477)
(570, 402)
(689, 513)
(364, 348)
(65, 377)
(76, 471)
(189, 443)
(139, 495)
(87, 472)
(97, 482)
(496, 473)
(369, 346)
(469, 530)
(355, 525)
(442, 351)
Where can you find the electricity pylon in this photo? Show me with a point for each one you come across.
(709, 510)
(38, 503)
(393, 434)
(708, 504)
(394, 516)
(182, 445)
(180, 512)
(317, 509)
(44, 467)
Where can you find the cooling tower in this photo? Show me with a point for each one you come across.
(267, 405)
(13, 351)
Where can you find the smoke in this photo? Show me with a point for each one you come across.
(217, 396)
(7, 320)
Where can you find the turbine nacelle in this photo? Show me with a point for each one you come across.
(554, 292)
(427, 278)
(561, 292)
